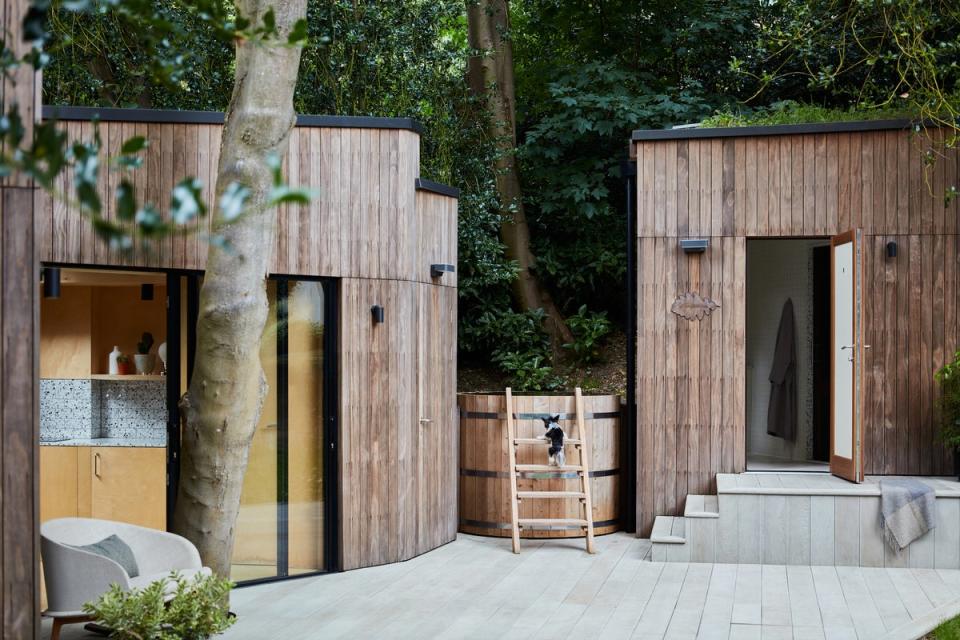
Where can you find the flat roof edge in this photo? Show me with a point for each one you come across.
(435, 187)
(173, 116)
(642, 135)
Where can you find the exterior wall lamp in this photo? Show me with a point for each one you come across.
(694, 245)
(891, 249)
(377, 312)
(437, 270)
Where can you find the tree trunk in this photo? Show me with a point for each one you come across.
(490, 73)
(222, 406)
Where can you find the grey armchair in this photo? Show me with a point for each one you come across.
(74, 576)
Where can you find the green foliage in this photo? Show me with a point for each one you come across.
(947, 630)
(528, 370)
(589, 329)
(791, 112)
(948, 378)
(195, 612)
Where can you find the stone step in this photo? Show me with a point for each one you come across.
(668, 530)
(702, 507)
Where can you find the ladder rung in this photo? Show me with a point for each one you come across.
(571, 441)
(555, 521)
(544, 495)
(547, 467)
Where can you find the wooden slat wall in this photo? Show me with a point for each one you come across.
(19, 364)
(691, 375)
(398, 475)
(365, 222)
(372, 228)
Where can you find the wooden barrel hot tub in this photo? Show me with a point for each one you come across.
(485, 484)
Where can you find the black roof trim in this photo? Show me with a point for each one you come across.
(436, 187)
(769, 130)
(172, 116)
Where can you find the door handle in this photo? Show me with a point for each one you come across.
(96, 464)
(425, 421)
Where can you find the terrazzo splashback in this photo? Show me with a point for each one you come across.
(133, 409)
(69, 409)
(102, 409)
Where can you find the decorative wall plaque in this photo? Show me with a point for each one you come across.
(693, 306)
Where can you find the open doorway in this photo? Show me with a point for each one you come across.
(788, 355)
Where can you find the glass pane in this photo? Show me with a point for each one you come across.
(305, 403)
(255, 548)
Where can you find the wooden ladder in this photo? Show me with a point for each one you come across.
(582, 444)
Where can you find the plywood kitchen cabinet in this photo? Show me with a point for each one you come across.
(128, 484)
(59, 482)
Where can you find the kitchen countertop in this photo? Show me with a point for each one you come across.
(105, 442)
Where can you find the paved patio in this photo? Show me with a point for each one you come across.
(476, 588)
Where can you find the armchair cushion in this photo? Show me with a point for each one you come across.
(117, 550)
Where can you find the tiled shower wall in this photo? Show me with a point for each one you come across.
(102, 409)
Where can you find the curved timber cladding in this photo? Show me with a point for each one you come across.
(795, 181)
(484, 464)
(378, 229)
(364, 223)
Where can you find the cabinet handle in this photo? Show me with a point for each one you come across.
(96, 464)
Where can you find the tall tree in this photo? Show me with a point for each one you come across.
(226, 393)
(490, 74)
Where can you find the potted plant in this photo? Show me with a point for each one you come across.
(123, 365)
(144, 359)
(949, 380)
(196, 610)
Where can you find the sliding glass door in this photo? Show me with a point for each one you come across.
(287, 520)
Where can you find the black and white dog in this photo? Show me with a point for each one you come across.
(554, 434)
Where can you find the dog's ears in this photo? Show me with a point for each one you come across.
(556, 418)
(546, 422)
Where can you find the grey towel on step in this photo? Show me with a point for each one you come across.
(908, 509)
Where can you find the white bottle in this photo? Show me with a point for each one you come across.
(112, 366)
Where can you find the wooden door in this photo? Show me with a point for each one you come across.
(437, 430)
(846, 356)
(129, 484)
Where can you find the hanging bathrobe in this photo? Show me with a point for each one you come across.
(782, 412)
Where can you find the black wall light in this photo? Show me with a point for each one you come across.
(146, 292)
(377, 312)
(891, 249)
(437, 270)
(694, 245)
(51, 282)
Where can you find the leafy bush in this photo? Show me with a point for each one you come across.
(792, 112)
(589, 329)
(195, 612)
(949, 380)
(528, 371)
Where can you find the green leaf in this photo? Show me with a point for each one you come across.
(233, 201)
(135, 144)
(286, 194)
(126, 201)
(299, 34)
(270, 21)
(186, 201)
